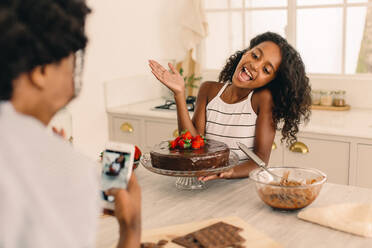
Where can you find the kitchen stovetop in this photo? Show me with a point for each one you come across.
(171, 104)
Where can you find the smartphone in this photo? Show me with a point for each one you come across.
(117, 164)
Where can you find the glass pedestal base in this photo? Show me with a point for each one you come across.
(189, 183)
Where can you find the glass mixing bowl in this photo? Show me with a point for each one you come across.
(300, 189)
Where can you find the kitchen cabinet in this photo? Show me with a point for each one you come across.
(331, 157)
(276, 156)
(158, 130)
(144, 132)
(331, 143)
(125, 129)
(364, 165)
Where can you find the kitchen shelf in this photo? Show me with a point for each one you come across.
(332, 108)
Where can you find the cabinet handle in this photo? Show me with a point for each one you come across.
(299, 147)
(175, 133)
(126, 127)
(274, 146)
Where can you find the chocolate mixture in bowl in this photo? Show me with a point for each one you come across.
(285, 195)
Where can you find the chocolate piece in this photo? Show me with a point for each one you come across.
(162, 242)
(217, 235)
(238, 246)
(149, 245)
(227, 226)
(214, 154)
(187, 241)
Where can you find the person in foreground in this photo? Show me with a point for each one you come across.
(49, 192)
(261, 89)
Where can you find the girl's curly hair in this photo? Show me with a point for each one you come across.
(35, 33)
(290, 88)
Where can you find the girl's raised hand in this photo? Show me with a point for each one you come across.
(172, 79)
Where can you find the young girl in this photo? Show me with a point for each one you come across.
(261, 89)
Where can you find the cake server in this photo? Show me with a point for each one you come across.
(257, 160)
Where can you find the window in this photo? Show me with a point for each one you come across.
(329, 34)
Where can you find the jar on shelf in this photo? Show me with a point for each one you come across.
(339, 98)
(315, 97)
(326, 98)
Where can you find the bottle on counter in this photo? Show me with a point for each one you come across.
(326, 98)
(315, 97)
(339, 98)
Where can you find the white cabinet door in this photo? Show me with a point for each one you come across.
(276, 156)
(126, 130)
(158, 131)
(331, 157)
(364, 165)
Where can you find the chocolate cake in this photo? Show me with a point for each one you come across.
(214, 154)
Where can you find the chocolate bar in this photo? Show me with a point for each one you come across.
(187, 241)
(218, 235)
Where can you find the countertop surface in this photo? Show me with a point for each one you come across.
(164, 205)
(145, 108)
(352, 123)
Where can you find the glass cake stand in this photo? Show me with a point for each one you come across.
(189, 179)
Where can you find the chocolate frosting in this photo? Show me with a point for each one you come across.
(214, 154)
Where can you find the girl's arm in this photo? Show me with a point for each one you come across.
(174, 81)
(197, 124)
(265, 129)
(265, 133)
(183, 116)
(199, 118)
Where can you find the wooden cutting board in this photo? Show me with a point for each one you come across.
(333, 108)
(253, 237)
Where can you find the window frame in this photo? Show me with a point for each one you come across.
(290, 31)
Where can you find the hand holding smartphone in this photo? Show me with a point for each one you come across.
(118, 181)
(117, 164)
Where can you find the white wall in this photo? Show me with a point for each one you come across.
(123, 36)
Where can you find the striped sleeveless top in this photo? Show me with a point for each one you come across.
(230, 123)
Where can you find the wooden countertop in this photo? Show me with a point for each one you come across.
(164, 205)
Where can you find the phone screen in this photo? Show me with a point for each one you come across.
(116, 171)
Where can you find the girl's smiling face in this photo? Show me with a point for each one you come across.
(258, 66)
